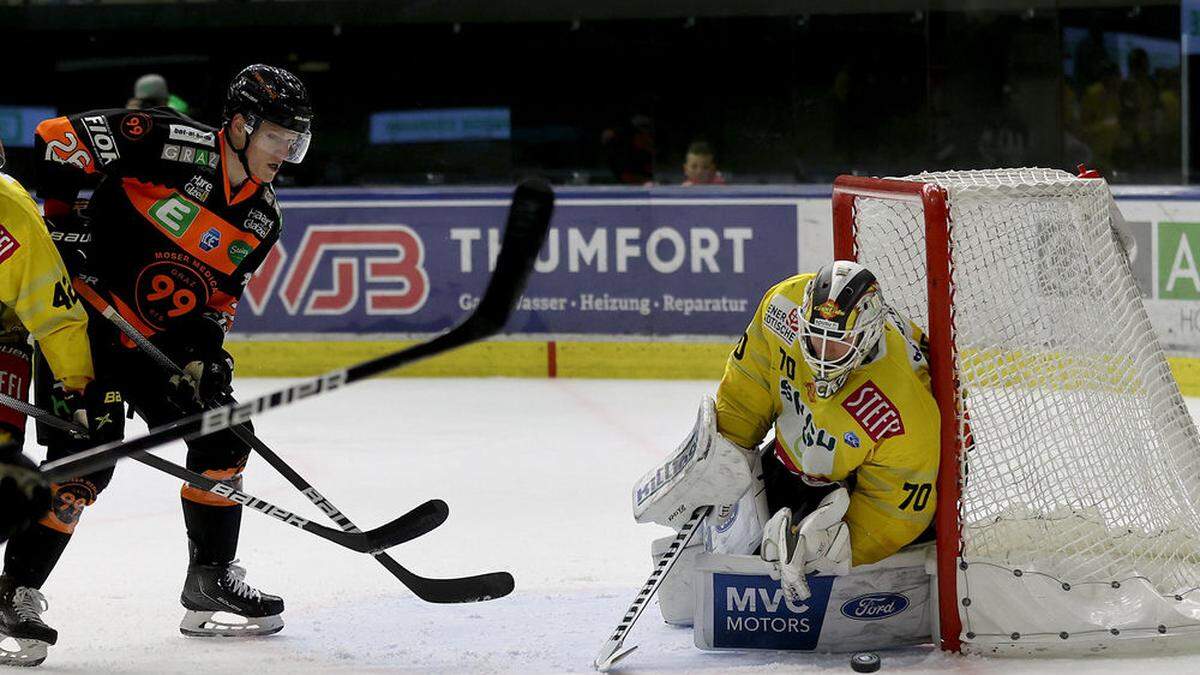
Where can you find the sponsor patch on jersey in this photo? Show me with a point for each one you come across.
(199, 188)
(782, 317)
(258, 222)
(210, 239)
(8, 244)
(103, 144)
(874, 412)
(188, 134)
(238, 250)
(851, 439)
(135, 126)
(174, 214)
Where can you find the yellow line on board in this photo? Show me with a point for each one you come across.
(618, 360)
(621, 360)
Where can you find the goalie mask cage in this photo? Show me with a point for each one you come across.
(1070, 473)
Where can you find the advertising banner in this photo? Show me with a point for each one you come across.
(616, 263)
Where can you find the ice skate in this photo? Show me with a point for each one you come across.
(25, 637)
(220, 603)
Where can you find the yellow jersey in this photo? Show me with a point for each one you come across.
(35, 290)
(882, 426)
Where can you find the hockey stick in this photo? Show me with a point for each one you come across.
(611, 652)
(462, 589)
(411, 525)
(528, 222)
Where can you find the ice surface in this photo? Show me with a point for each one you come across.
(537, 474)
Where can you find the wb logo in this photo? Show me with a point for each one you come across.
(333, 263)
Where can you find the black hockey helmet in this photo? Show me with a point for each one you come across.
(262, 92)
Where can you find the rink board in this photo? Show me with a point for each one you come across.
(624, 270)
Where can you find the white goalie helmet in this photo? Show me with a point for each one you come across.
(841, 322)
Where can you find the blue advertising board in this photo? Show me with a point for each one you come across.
(615, 262)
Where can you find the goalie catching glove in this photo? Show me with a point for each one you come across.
(820, 543)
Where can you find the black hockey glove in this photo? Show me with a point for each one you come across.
(194, 344)
(24, 493)
(99, 408)
(202, 380)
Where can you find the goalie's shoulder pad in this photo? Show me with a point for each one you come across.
(707, 469)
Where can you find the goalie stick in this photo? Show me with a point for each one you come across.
(461, 589)
(528, 222)
(411, 525)
(611, 652)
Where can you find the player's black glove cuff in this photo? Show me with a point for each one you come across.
(195, 337)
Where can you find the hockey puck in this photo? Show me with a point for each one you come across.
(864, 662)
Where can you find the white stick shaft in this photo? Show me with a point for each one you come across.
(608, 653)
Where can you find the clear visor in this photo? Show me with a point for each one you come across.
(292, 146)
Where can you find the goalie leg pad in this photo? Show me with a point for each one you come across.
(676, 595)
(737, 529)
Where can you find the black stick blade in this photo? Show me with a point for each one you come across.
(528, 223)
(411, 525)
(478, 588)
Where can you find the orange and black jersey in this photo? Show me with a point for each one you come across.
(170, 237)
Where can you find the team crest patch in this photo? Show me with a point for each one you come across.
(210, 239)
(8, 244)
(851, 439)
(874, 412)
(782, 318)
(829, 310)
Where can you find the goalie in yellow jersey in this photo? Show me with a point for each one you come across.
(850, 478)
(845, 382)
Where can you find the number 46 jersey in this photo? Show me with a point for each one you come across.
(170, 236)
(881, 427)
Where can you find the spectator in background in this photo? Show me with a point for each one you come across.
(700, 165)
(1100, 109)
(629, 151)
(150, 91)
(1139, 114)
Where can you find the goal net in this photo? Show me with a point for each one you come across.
(1070, 476)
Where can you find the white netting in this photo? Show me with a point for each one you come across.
(1081, 459)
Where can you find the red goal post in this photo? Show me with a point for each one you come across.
(932, 200)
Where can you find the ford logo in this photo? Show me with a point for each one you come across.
(874, 606)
